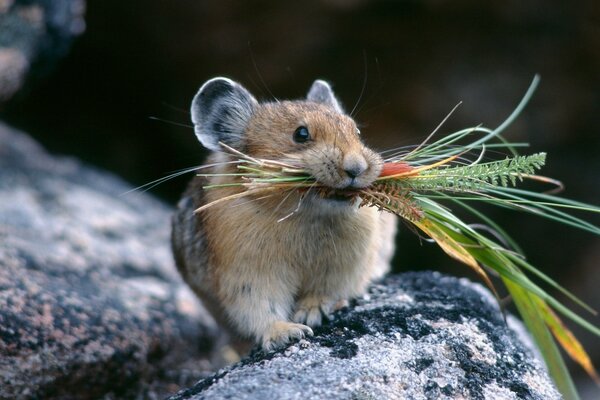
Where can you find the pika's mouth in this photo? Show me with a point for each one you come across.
(341, 196)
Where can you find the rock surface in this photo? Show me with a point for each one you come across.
(415, 336)
(90, 302)
(35, 35)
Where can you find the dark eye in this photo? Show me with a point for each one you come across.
(301, 134)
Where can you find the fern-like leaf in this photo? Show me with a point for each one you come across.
(476, 177)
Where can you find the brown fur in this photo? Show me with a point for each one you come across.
(270, 268)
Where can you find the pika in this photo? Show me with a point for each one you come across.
(270, 268)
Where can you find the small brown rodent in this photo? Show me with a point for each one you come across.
(270, 268)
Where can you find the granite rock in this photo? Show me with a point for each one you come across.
(414, 336)
(90, 302)
(35, 34)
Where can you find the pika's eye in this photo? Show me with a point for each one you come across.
(301, 134)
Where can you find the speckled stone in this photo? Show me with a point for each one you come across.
(415, 336)
(90, 302)
(35, 34)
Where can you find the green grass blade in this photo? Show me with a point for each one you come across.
(537, 208)
(519, 260)
(509, 240)
(543, 339)
(527, 266)
(505, 263)
(425, 154)
(524, 292)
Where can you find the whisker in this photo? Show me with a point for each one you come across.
(364, 85)
(171, 122)
(150, 185)
(260, 77)
(172, 107)
(154, 183)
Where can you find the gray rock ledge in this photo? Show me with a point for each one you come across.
(414, 336)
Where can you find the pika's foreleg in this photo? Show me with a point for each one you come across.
(261, 308)
(312, 310)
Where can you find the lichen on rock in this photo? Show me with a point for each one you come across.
(414, 336)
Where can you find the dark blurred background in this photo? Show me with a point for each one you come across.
(415, 60)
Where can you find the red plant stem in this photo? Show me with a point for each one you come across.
(394, 168)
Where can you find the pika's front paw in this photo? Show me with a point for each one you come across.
(312, 310)
(282, 332)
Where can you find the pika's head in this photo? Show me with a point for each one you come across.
(313, 133)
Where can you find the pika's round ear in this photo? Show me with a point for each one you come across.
(320, 92)
(220, 112)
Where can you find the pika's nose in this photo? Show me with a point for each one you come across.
(354, 165)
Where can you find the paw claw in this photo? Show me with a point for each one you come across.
(282, 332)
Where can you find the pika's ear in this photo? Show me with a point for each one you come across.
(220, 112)
(320, 92)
